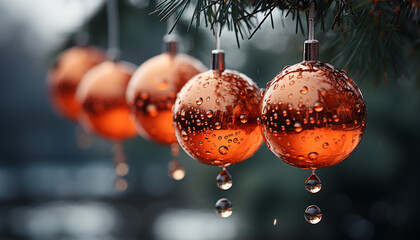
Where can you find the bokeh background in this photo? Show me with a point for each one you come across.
(51, 188)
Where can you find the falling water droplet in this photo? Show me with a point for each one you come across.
(313, 214)
(199, 101)
(304, 90)
(223, 207)
(318, 106)
(313, 183)
(224, 180)
(175, 170)
(243, 118)
(223, 150)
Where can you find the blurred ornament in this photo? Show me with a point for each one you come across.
(65, 75)
(152, 91)
(102, 95)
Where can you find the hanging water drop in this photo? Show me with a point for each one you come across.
(313, 183)
(175, 170)
(313, 214)
(224, 180)
(223, 207)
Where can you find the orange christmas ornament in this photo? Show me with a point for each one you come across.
(102, 96)
(313, 115)
(152, 91)
(215, 116)
(64, 77)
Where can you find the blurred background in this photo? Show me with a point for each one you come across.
(53, 187)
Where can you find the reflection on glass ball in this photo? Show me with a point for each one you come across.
(102, 95)
(65, 75)
(215, 117)
(152, 91)
(313, 115)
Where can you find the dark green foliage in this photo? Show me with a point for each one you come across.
(376, 40)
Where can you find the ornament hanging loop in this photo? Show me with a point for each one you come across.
(311, 46)
(218, 60)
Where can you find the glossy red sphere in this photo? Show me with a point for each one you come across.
(313, 115)
(152, 91)
(102, 96)
(215, 117)
(65, 75)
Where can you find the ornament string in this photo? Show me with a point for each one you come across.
(311, 22)
(113, 30)
(217, 26)
(82, 36)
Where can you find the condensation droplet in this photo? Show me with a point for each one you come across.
(218, 125)
(199, 101)
(304, 90)
(243, 118)
(313, 183)
(298, 127)
(152, 110)
(223, 207)
(184, 135)
(335, 118)
(224, 180)
(318, 106)
(223, 150)
(313, 214)
(209, 113)
(313, 155)
(325, 145)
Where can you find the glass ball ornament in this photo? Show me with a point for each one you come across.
(313, 115)
(152, 91)
(102, 96)
(65, 75)
(215, 117)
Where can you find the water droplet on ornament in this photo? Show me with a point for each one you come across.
(175, 170)
(218, 125)
(313, 183)
(223, 207)
(205, 84)
(313, 155)
(335, 118)
(304, 90)
(313, 214)
(243, 118)
(291, 83)
(325, 145)
(184, 135)
(223, 150)
(209, 113)
(298, 127)
(152, 110)
(287, 121)
(290, 96)
(224, 180)
(199, 101)
(318, 107)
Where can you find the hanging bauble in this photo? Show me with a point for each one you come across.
(65, 75)
(313, 115)
(215, 116)
(102, 95)
(152, 91)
